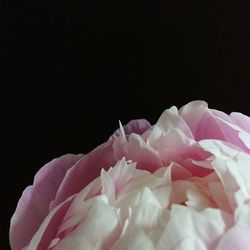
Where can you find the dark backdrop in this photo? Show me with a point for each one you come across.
(72, 69)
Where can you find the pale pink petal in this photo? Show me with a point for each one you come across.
(120, 145)
(211, 124)
(86, 170)
(33, 206)
(241, 120)
(221, 115)
(218, 194)
(196, 170)
(135, 126)
(235, 238)
(141, 153)
(108, 186)
(232, 134)
(90, 166)
(124, 173)
(78, 209)
(48, 229)
(168, 120)
(242, 138)
(136, 149)
(178, 172)
(175, 146)
(210, 127)
(192, 114)
(97, 228)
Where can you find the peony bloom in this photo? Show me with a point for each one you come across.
(182, 183)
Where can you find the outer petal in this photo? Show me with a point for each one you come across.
(48, 229)
(192, 114)
(86, 170)
(135, 126)
(234, 134)
(208, 123)
(241, 120)
(210, 128)
(90, 166)
(33, 206)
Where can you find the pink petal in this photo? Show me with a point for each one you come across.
(209, 124)
(175, 146)
(175, 142)
(169, 120)
(221, 115)
(241, 120)
(219, 196)
(192, 113)
(49, 227)
(33, 206)
(235, 238)
(178, 172)
(232, 133)
(210, 128)
(214, 127)
(134, 126)
(99, 226)
(137, 150)
(86, 170)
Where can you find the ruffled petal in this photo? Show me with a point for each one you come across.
(136, 149)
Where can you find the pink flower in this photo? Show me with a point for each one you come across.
(180, 184)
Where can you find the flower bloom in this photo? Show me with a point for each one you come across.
(182, 183)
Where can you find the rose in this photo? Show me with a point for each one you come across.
(180, 184)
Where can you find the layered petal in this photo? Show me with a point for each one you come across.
(33, 206)
(138, 126)
(87, 169)
(182, 183)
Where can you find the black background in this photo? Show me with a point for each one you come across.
(72, 69)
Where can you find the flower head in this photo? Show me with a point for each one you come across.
(179, 184)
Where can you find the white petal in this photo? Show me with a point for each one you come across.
(206, 226)
(98, 226)
(108, 186)
(134, 239)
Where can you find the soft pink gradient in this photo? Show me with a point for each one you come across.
(200, 154)
(56, 181)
